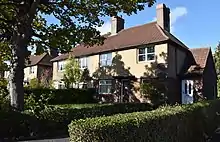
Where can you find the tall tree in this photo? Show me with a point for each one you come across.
(23, 24)
(217, 65)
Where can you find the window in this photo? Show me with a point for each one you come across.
(31, 70)
(83, 62)
(146, 54)
(105, 59)
(60, 66)
(105, 86)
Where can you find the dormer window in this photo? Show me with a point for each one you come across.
(146, 54)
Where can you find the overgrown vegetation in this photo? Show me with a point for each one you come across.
(217, 66)
(167, 124)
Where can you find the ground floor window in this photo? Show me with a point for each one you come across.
(105, 86)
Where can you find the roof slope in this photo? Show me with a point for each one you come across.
(35, 59)
(127, 38)
(200, 55)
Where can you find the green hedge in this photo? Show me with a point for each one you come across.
(54, 122)
(64, 96)
(168, 124)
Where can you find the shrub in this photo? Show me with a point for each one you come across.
(167, 124)
(63, 96)
(53, 121)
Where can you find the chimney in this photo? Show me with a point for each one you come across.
(117, 24)
(163, 17)
(53, 52)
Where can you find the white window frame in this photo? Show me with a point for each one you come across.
(83, 62)
(103, 58)
(31, 70)
(145, 53)
(107, 83)
(60, 66)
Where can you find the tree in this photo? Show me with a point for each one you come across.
(23, 24)
(217, 65)
(72, 72)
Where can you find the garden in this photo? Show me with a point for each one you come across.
(74, 113)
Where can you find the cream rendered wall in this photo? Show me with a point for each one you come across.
(57, 75)
(129, 58)
(28, 75)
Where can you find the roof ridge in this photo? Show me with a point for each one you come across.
(200, 48)
(154, 22)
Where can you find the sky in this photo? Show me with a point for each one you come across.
(194, 22)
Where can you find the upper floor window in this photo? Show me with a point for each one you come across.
(83, 62)
(105, 59)
(31, 70)
(146, 54)
(60, 66)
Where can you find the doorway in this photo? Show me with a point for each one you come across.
(187, 92)
(125, 89)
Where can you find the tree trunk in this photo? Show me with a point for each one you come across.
(16, 77)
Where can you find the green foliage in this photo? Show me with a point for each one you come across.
(72, 72)
(63, 96)
(53, 121)
(34, 83)
(167, 124)
(217, 66)
(155, 92)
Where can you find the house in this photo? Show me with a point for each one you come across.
(36, 66)
(131, 56)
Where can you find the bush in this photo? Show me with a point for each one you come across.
(63, 96)
(53, 121)
(168, 124)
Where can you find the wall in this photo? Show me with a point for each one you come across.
(28, 75)
(128, 60)
(210, 79)
(176, 60)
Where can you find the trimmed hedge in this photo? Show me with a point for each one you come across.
(53, 122)
(64, 96)
(186, 123)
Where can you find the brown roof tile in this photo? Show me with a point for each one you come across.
(35, 59)
(200, 55)
(138, 35)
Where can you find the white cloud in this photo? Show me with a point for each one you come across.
(175, 15)
(105, 28)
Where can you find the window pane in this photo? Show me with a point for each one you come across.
(141, 51)
(109, 62)
(108, 82)
(109, 89)
(102, 56)
(150, 49)
(190, 88)
(109, 56)
(141, 58)
(150, 57)
(102, 63)
(185, 88)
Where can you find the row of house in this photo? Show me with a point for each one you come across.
(128, 56)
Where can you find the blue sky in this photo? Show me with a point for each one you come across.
(196, 23)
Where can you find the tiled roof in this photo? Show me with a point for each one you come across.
(35, 59)
(200, 55)
(127, 38)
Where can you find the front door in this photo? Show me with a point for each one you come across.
(125, 91)
(187, 91)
